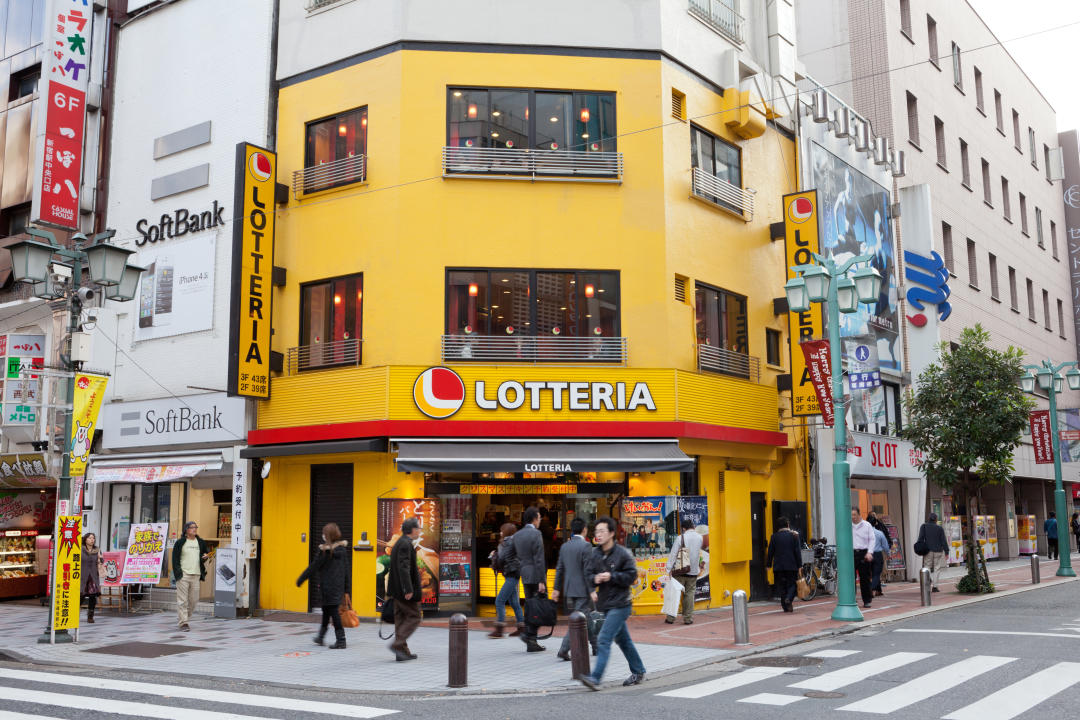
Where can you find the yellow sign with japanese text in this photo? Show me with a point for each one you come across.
(67, 572)
(253, 261)
(800, 242)
(89, 392)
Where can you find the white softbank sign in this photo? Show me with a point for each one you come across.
(511, 394)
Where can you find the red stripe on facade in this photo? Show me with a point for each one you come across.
(522, 429)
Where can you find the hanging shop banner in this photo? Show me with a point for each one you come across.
(67, 573)
(894, 560)
(59, 147)
(455, 573)
(145, 550)
(1041, 441)
(491, 489)
(696, 507)
(176, 291)
(20, 357)
(800, 242)
(252, 262)
(114, 568)
(819, 370)
(391, 513)
(855, 221)
(25, 470)
(141, 474)
(649, 527)
(89, 391)
(1070, 148)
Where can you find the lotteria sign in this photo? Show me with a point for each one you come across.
(439, 393)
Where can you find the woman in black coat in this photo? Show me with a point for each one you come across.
(331, 568)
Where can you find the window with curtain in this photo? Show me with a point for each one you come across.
(331, 321)
(718, 158)
(331, 140)
(721, 319)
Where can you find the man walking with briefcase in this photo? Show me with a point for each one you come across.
(529, 547)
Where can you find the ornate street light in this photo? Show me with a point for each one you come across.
(30, 261)
(798, 299)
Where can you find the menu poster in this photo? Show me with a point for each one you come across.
(649, 526)
(895, 558)
(455, 573)
(696, 507)
(145, 550)
(391, 514)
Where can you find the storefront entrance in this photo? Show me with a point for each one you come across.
(331, 502)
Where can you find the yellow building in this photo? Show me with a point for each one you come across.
(523, 276)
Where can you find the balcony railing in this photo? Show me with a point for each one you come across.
(313, 5)
(728, 362)
(329, 175)
(723, 194)
(526, 348)
(322, 355)
(574, 165)
(720, 15)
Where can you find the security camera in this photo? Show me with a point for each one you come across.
(86, 294)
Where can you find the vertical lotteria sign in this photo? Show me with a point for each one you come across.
(64, 79)
(801, 242)
(67, 574)
(1040, 436)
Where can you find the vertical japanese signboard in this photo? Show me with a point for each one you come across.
(67, 575)
(21, 356)
(64, 79)
(252, 263)
(1040, 436)
(819, 371)
(239, 506)
(1071, 197)
(801, 241)
(89, 391)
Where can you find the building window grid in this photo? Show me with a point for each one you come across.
(973, 267)
(939, 139)
(1031, 300)
(931, 38)
(1024, 215)
(957, 69)
(1046, 162)
(994, 289)
(1016, 129)
(1061, 318)
(979, 105)
(913, 119)
(905, 18)
(1032, 148)
(1046, 310)
(773, 343)
(1006, 207)
(999, 112)
(1053, 239)
(1014, 295)
(1039, 227)
(987, 195)
(965, 166)
(947, 247)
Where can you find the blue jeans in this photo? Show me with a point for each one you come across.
(508, 593)
(614, 628)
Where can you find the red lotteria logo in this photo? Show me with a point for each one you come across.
(439, 392)
(800, 210)
(83, 382)
(260, 167)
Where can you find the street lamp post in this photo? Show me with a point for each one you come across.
(33, 262)
(1049, 379)
(829, 282)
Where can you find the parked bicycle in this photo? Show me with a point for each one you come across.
(819, 568)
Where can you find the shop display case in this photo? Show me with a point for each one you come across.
(22, 573)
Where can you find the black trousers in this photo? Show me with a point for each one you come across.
(785, 585)
(330, 613)
(865, 572)
(1051, 548)
(531, 589)
(876, 569)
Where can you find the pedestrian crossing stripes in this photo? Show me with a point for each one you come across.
(1009, 702)
(123, 707)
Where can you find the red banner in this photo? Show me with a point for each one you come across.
(1040, 436)
(819, 367)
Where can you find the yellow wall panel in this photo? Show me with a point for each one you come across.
(326, 396)
(727, 401)
(735, 517)
(286, 514)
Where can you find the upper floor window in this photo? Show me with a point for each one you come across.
(957, 69)
(979, 92)
(1032, 148)
(905, 17)
(541, 303)
(719, 159)
(524, 119)
(1016, 129)
(721, 319)
(24, 83)
(931, 39)
(331, 322)
(335, 150)
(999, 112)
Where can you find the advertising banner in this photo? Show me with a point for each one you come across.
(894, 560)
(954, 531)
(252, 263)
(20, 357)
(696, 507)
(26, 510)
(145, 550)
(68, 573)
(800, 242)
(176, 291)
(225, 581)
(819, 370)
(89, 391)
(854, 220)
(391, 513)
(455, 573)
(649, 527)
(114, 568)
(26, 470)
(1041, 442)
(1071, 195)
(1026, 534)
(59, 148)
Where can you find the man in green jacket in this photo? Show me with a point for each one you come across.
(189, 556)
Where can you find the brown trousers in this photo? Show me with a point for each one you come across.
(406, 620)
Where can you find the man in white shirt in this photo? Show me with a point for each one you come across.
(863, 541)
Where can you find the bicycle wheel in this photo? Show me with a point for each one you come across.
(829, 580)
(809, 576)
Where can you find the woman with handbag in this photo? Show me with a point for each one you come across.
(90, 583)
(330, 568)
(505, 560)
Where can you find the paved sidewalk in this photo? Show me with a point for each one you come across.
(282, 652)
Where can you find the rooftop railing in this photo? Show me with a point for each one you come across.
(329, 175)
(527, 348)
(728, 362)
(576, 165)
(723, 194)
(322, 355)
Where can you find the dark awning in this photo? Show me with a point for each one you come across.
(541, 456)
(315, 448)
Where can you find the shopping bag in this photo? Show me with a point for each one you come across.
(802, 588)
(349, 618)
(673, 591)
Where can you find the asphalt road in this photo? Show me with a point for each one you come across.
(1003, 658)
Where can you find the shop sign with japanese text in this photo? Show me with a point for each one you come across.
(801, 242)
(64, 79)
(1040, 436)
(819, 370)
(67, 574)
(24, 470)
(145, 549)
(253, 260)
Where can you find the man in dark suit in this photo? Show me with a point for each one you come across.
(785, 558)
(570, 579)
(529, 546)
(404, 587)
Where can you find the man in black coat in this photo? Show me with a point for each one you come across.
(785, 558)
(529, 546)
(570, 580)
(404, 588)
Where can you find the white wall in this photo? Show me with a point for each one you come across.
(220, 73)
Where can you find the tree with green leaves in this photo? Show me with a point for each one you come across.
(967, 415)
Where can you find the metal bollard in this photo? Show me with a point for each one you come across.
(579, 645)
(741, 616)
(459, 651)
(925, 585)
(1035, 579)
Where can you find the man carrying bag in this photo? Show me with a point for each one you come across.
(684, 566)
(529, 548)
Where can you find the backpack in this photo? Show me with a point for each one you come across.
(497, 565)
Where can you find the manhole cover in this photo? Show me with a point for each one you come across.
(786, 661)
(820, 695)
(144, 649)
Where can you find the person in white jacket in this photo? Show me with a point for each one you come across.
(687, 575)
